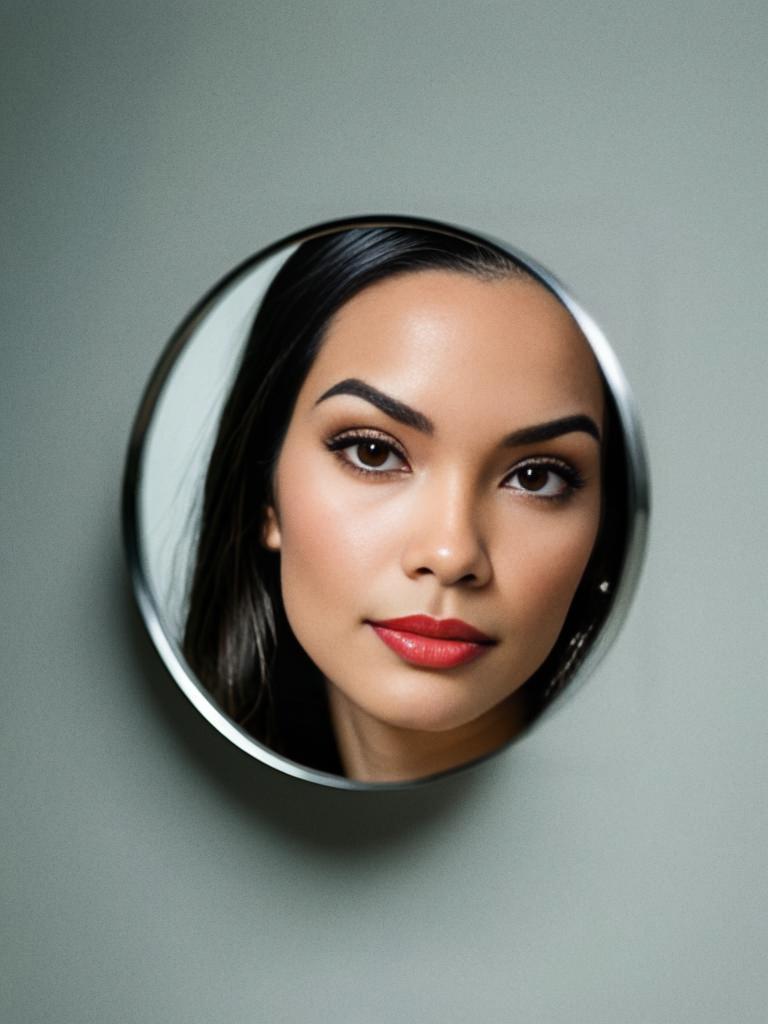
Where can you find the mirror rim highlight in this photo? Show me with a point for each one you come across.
(638, 497)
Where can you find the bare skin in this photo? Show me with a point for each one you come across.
(433, 500)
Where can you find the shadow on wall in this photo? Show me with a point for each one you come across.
(340, 822)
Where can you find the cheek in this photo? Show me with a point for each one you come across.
(309, 530)
(332, 546)
(539, 575)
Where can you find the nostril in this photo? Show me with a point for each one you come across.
(460, 559)
(468, 577)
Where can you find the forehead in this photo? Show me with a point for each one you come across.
(452, 344)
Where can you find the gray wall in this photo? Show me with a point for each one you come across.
(611, 867)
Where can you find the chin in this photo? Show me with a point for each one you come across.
(424, 708)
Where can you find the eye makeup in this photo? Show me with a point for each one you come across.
(373, 449)
(535, 478)
(373, 453)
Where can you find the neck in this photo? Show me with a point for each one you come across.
(374, 751)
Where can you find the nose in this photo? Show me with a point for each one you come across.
(444, 538)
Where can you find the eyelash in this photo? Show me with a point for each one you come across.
(340, 443)
(571, 477)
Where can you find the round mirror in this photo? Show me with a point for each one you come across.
(385, 501)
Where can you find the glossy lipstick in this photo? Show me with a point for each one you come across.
(432, 643)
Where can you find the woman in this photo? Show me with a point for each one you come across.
(402, 552)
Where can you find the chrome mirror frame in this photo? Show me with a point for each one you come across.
(638, 497)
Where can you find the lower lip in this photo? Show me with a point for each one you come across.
(429, 652)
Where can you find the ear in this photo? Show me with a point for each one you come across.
(270, 531)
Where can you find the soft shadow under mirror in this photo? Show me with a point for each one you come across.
(385, 501)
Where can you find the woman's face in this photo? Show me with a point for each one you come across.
(437, 495)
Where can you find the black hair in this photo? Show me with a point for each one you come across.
(237, 638)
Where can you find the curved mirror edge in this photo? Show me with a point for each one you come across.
(638, 486)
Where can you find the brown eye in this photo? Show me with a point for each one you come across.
(533, 478)
(545, 479)
(372, 454)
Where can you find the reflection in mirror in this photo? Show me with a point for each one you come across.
(385, 500)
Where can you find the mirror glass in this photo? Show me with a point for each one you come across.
(385, 501)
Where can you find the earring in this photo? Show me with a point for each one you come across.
(576, 645)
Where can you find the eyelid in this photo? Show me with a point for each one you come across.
(341, 440)
(337, 443)
(543, 460)
(352, 434)
(570, 475)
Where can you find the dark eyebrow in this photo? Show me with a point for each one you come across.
(397, 410)
(412, 418)
(554, 428)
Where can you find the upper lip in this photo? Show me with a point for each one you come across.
(439, 629)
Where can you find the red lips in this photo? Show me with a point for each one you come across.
(432, 643)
